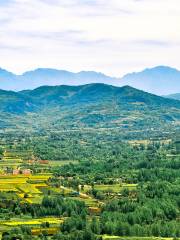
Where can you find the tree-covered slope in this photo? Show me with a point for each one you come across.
(95, 93)
(92, 105)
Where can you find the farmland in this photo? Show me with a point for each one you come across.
(109, 170)
(19, 184)
(39, 194)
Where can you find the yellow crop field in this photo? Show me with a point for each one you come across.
(38, 221)
(39, 177)
(19, 184)
(12, 181)
(39, 185)
(36, 198)
(8, 188)
(11, 176)
(50, 231)
(28, 188)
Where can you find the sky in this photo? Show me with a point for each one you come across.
(109, 36)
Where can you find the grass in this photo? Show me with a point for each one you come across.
(62, 163)
(115, 187)
(89, 202)
(147, 142)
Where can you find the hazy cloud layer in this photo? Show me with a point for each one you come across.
(113, 36)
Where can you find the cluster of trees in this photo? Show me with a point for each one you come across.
(50, 206)
(22, 233)
(79, 228)
(155, 210)
(1, 153)
(59, 206)
(150, 215)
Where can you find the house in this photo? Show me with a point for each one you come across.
(31, 161)
(26, 171)
(43, 161)
(16, 171)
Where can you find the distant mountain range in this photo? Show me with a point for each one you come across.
(173, 96)
(51, 77)
(159, 80)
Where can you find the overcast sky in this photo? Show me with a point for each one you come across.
(110, 36)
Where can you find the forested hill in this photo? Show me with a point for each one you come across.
(92, 105)
(49, 96)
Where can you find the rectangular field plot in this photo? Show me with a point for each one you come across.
(115, 187)
(8, 188)
(50, 231)
(29, 188)
(38, 221)
(22, 188)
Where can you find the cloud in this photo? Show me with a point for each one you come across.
(150, 42)
(110, 36)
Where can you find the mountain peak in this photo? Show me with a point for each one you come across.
(162, 69)
(160, 80)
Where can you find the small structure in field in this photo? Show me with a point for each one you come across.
(43, 161)
(26, 171)
(16, 171)
(31, 161)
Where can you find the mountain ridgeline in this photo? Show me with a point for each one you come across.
(174, 96)
(96, 106)
(160, 80)
(54, 96)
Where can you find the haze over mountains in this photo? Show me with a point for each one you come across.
(174, 96)
(159, 80)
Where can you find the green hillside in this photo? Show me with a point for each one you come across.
(92, 106)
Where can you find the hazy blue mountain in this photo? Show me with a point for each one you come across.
(52, 77)
(159, 80)
(7, 80)
(173, 96)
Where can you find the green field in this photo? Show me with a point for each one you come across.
(115, 187)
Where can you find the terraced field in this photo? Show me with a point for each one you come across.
(25, 187)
